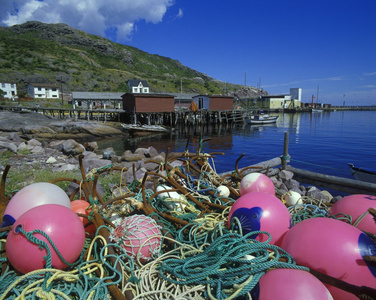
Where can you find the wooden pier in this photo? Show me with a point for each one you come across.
(187, 117)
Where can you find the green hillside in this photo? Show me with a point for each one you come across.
(51, 53)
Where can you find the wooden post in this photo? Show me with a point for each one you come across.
(286, 156)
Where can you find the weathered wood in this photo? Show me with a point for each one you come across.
(261, 166)
(286, 157)
(333, 182)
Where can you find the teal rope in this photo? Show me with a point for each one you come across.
(223, 264)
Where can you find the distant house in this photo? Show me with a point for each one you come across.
(10, 90)
(138, 86)
(290, 101)
(148, 103)
(43, 90)
(97, 99)
(214, 102)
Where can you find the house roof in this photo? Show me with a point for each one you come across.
(183, 96)
(135, 82)
(148, 95)
(214, 96)
(35, 84)
(105, 96)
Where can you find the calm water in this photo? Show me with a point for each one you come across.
(321, 142)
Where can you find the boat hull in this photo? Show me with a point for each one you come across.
(261, 120)
(363, 175)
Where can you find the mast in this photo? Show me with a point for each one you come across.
(317, 97)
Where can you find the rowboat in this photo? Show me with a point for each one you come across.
(362, 174)
(261, 119)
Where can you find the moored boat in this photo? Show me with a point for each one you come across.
(261, 119)
(362, 174)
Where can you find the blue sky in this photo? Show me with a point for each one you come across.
(280, 44)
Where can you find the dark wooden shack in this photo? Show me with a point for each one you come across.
(221, 102)
(148, 103)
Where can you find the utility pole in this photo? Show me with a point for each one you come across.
(62, 94)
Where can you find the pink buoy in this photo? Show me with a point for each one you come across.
(256, 182)
(140, 236)
(334, 248)
(260, 211)
(82, 207)
(290, 284)
(31, 196)
(357, 207)
(62, 226)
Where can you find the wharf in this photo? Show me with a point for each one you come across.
(186, 117)
(118, 115)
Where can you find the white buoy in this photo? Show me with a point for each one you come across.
(177, 199)
(293, 198)
(223, 191)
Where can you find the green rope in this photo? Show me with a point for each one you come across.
(227, 264)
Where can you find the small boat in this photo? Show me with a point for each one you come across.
(261, 118)
(136, 129)
(362, 174)
(317, 110)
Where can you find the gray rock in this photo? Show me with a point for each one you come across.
(24, 147)
(65, 167)
(132, 157)
(34, 142)
(35, 129)
(285, 175)
(159, 158)
(8, 146)
(15, 138)
(37, 149)
(336, 198)
(292, 184)
(108, 153)
(71, 147)
(91, 146)
(116, 159)
(91, 164)
(57, 145)
(142, 151)
(152, 151)
(150, 166)
(140, 173)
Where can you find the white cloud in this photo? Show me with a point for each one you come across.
(92, 16)
(180, 13)
(370, 74)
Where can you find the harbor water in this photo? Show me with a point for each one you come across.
(323, 142)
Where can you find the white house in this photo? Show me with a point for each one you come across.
(43, 90)
(291, 101)
(139, 86)
(10, 90)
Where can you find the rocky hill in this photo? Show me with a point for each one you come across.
(58, 53)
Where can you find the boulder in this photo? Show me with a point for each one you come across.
(34, 142)
(8, 146)
(71, 147)
(285, 175)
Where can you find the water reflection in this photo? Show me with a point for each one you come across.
(316, 139)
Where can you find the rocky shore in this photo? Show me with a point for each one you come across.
(39, 141)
